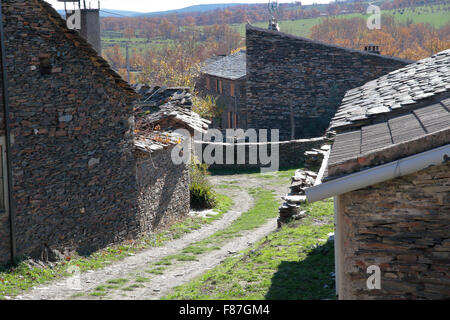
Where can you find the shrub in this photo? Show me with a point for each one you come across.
(202, 194)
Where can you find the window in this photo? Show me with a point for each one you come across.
(232, 89)
(208, 83)
(45, 66)
(219, 86)
(230, 117)
(235, 120)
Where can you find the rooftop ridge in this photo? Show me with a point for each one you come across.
(82, 44)
(291, 36)
(398, 91)
(215, 68)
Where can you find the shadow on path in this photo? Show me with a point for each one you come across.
(309, 279)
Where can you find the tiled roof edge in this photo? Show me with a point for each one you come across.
(357, 124)
(222, 77)
(388, 154)
(291, 36)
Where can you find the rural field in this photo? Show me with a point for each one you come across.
(435, 15)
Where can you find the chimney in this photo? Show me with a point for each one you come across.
(372, 49)
(86, 20)
(90, 28)
(273, 24)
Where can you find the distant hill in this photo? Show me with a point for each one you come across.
(196, 8)
(112, 13)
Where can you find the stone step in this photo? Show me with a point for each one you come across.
(297, 188)
(297, 199)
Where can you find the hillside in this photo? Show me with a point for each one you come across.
(197, 8)
(201, 8)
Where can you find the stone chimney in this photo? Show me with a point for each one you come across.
(372, 49)
(273, 24)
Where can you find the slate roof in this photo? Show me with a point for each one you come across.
(156, 141)
(416, 131)
(233, 66)
(174, 117)
(171, 107)
(395, 92)
(159, 112)
(420, 120)
(330, 45)
(83, 45)
(155, 96)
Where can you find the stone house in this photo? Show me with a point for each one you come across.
(77, 171)
(389, 173)
(163, 186)
(295, 84)
(225, 78)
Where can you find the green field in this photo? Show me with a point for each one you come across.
(436, 15)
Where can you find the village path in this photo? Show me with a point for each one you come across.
(134, 268)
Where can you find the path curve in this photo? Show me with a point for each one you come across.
(66, 288)
(178, 274)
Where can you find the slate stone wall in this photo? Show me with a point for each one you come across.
(403, 226)
(291, 153)
(77, 184)
(163, 190)
(236, 104)
(74, 174)
(292, 75)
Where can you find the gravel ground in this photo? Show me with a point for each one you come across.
(130, 268)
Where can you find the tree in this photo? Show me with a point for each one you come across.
(129, 33)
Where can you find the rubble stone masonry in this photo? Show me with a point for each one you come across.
(289, 75)
(163, 190)
(291, 154)
(402, 226)
(74, 174)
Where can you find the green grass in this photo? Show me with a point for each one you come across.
(266, 207)
(14, 280)
(120, 281)
(157, 270)
(293, 263)
(142, 279)
(98, 293)
(431, 14)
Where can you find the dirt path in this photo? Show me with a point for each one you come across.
(156, 286)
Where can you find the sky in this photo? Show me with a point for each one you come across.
(158, 5)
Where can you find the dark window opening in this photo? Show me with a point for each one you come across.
(45, 66)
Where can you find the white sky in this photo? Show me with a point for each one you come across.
(162, 5)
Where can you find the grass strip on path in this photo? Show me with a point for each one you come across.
(14, 280)
(296, 262)
(266, 207)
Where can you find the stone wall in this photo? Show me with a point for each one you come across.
(77, 184)
(74, 174)
(402, 226)
(291, 153)
(236, 104)
(163, 190)
(288, 75)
